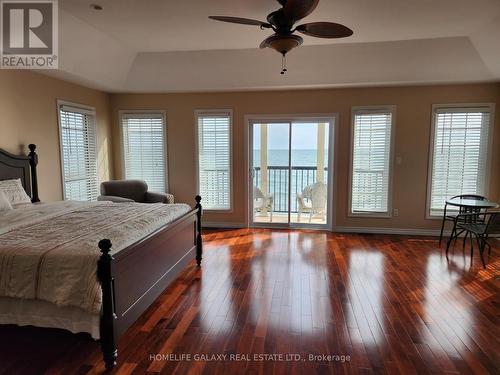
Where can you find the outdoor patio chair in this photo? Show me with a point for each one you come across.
(452, 216)
(262, 202)
(312, 200)
(485, 226)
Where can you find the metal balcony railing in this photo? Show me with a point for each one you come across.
(277, 183)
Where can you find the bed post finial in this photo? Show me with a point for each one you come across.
(105, 246)
(108, 316)
(34, 181)
(199, 243)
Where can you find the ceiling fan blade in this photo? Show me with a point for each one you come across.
(325, 30)
(298, 9)
(242, 21)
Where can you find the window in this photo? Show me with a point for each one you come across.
(371, 160)
(78, 151)
(214, 159)
(144, 153)
(459, 153)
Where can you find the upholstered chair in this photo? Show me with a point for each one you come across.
(131, 191)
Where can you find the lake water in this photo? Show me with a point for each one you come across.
(305, 158)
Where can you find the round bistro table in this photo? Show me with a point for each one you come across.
(471, 205)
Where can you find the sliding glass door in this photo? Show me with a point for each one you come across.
(290, 172)
(271, 172)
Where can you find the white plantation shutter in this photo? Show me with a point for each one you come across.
(371, 161)
(459, 154)
(214, 154)
(78, 153)
(144, 148)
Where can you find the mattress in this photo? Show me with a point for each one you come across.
(25, 312)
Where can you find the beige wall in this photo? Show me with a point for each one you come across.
(413, 124)
(496, 143)
(28, 114)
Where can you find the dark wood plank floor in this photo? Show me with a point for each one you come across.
(387, 304)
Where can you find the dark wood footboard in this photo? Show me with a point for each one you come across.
(132, 279)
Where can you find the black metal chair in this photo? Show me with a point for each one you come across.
(483, 226)
(453, 215)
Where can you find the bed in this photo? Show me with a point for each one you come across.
(98, 266)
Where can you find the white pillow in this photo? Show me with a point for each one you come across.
(4, 203)
(14, 191)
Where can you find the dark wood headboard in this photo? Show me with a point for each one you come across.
(23, 167)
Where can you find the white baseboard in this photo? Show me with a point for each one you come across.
(340, 229)
(223, 225)
(404, 231)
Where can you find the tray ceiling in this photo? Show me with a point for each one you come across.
(169, 46)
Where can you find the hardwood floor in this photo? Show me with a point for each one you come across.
(392, 304)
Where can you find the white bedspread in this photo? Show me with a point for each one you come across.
(49, 251)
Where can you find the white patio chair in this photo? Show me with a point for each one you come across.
(312, 200)
(262, 202)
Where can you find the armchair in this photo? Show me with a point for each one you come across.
(131, 191)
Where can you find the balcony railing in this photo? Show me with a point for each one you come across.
(277, 184)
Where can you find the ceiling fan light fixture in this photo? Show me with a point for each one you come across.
(282, 22)
(283, 43)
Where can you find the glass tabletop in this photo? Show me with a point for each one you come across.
(459, 202)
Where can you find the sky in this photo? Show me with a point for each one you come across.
(304, 136)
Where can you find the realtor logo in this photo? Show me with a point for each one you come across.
(29, 34)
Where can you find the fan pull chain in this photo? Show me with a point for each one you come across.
(283, 64)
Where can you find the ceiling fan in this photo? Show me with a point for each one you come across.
(282, 23)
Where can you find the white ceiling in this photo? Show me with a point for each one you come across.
(168, 46)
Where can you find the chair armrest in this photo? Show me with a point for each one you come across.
(300, 200)
(268, 202)
(470, 214)
(478, 214)
(113, 198)
(472, 217)
(153, 197)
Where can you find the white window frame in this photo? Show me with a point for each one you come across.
(83, 108)
(490, 107)
(368, 110)
(214, 112)
(122, 149)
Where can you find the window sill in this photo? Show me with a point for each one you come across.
(434, 217)
(217, 210)
(375, 215)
